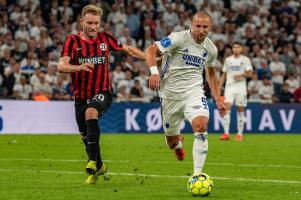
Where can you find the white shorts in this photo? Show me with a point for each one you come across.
(237, 96)
(175, 111)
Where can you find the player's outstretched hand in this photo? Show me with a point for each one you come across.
(154, 82)
(86, 67)
(221, 108)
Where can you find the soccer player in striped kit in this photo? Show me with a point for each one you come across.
(86, 57)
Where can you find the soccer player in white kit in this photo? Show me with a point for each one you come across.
(236, 68)
(185, 55)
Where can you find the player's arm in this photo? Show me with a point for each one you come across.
(213, 82)
(65, 66)
(215, 89)
(167, 44)
(151, 54)
(222, 79)
(133, 51)
(243, 76)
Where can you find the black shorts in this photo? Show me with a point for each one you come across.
(101, 102)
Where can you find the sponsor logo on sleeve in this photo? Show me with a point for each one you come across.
(165, 42)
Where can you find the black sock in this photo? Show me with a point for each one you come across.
(93, 141)
(84, 139)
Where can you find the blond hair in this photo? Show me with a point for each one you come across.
(91, 9)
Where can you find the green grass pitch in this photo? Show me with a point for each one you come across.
(51, 167)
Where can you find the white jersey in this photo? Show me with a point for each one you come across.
(236, 66)
(183, 64)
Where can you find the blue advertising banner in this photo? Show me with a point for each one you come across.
(146, 118)
(29, 117)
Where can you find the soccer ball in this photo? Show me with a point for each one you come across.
(200, 185)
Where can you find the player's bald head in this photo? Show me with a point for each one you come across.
(201, 15)
(201, 26)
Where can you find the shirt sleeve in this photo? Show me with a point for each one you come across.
(68, 47)
(114, 43)
(168, 43)
(248, 65)
(211, 62)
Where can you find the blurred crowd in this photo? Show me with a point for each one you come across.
(32, 33)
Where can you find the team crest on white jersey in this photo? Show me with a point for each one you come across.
(205, 53)
(165, 42)
(103, 46)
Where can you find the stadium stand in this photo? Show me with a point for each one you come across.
(32, 34)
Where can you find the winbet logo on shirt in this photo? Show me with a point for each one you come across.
(194, 60)
(94, 60)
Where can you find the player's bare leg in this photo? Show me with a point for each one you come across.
(200, 145)
(240, 123)
(226, 122)
(95, 167)
(176, 143)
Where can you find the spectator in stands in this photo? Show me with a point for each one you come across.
(160, 31)
(137, 92)
(278, 72)
(106, 8)
(190, 7)
(285, 96)
(285, 56)
(4, 60)
(253, 88)
(51, 75)
(66, 11)
(127, 81)
(264, 70)
(132, 22)
(266, 91)
(293, 83)
(170, 17)
(264, 26)
(126, 36)
(181, 25)
(142, 77)
(45, 38)
(35, 77)
(295, 67)
(122, 94)
(18, 52)
(59, 90)
(117, 19)
(22, 33)
(8, 42)
(22, 90)
(16, 14)
(42, 88)
(29, 64)
(12, 75)
(31, 45)
(35, 30)
(297, 94)
(147, 40)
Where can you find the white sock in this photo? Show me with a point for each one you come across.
(240, 122)
(199, 151)
(227, 120)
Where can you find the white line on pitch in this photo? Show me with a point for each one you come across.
(154, 175)
(159, 162)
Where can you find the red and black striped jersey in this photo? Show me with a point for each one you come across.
(87, 84)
